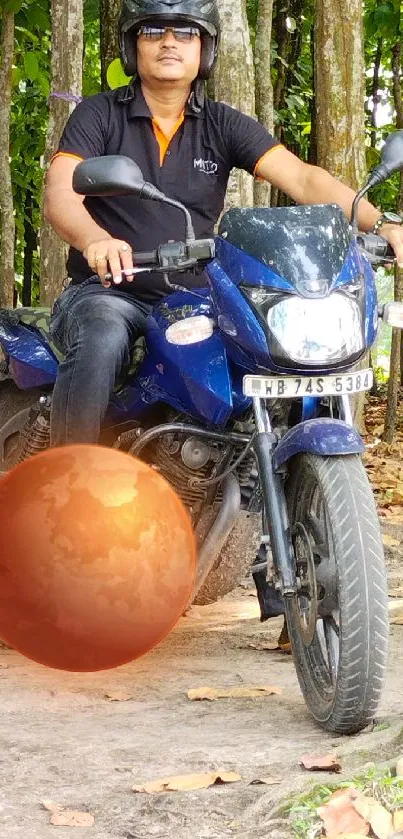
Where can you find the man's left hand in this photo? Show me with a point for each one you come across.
(393, 233)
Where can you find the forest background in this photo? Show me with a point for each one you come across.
(325, 77)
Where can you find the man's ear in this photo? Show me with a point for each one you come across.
(128, 52)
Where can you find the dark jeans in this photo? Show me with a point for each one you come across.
(95, 328)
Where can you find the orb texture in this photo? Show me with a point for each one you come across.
(97, 558)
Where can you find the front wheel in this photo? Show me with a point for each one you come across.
(338, 622)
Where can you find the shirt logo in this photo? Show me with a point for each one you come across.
(206, 166)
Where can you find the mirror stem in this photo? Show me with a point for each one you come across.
(151, 192)
(354, 212)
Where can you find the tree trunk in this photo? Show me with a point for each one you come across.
(340, 102)
(396, 368)
(375, 92)
(263, 85)
(281, 35)
(313, 140)
(31, 244)
(234, 84)
(109, 11)
(67, 55)
(7, 230)
(340, 89)
(394, 372)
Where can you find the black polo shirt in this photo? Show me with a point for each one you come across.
(192, 167)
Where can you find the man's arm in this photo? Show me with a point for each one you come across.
(65, 211)
(307, 184)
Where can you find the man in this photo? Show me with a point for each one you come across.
(186, 145)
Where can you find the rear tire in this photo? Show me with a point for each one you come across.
(338, 622)
(15, 406)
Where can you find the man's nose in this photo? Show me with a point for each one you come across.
(168, 38)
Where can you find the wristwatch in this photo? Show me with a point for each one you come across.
(386, 218)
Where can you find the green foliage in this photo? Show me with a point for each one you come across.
(30, 110)
(116, 75)
(31, 89)
(92, 58)
(381, 784)
(29, 117)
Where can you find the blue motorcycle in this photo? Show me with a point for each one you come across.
(241, 398)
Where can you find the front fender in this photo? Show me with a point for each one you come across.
(323, 436)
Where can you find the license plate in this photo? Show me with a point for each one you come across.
(292, 387)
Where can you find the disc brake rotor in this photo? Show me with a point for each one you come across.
(307, 597)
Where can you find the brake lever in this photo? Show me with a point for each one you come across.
(133, 271)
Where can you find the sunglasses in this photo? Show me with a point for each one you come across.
(183, 34)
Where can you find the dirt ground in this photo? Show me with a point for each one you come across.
(63, 740)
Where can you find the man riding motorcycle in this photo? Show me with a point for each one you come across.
(185, 144)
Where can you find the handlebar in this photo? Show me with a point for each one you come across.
(145, 257)
(175, 256)
(377, 250)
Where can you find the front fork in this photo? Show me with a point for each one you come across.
(274, 501)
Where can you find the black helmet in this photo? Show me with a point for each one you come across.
(202, 13)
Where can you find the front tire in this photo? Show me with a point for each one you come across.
(338, 622)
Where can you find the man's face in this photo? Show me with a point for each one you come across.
(168, 59)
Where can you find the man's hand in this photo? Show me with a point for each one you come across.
(393, 233)
(110, 256)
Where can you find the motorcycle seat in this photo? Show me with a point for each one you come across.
(38, 318)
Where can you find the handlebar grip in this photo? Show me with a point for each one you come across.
(376, 246)
(145, 257)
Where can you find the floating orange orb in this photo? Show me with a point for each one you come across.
(97, 558)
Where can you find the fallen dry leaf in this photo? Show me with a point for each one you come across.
(118, 696)
(398, 820)
(315, 763)
(375, 814)
(184, 783)
(211, 694)
(340, 817)
(67, 818)
(267, 781)
(70, 818)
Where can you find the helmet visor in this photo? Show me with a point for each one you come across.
(170, 20)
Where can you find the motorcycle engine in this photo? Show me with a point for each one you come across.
(184, 463)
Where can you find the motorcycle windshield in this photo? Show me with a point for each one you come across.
(307, 246)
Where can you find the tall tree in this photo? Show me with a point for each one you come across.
(66, 87)
(6, 194)
(263, 84)
(108, 14)
(340, 89)
(340, 100)
(236, 88)
(396, 365)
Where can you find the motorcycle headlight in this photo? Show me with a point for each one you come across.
(319, 330)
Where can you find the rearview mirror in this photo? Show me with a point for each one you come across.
(391, 159)
(108, 175)
(119, 175)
